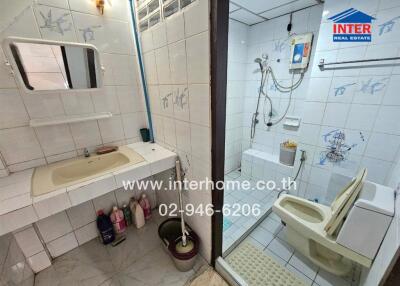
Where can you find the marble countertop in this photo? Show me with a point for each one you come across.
(19, 208)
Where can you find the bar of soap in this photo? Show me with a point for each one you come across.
(106, 149)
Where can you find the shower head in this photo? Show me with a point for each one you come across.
(260, 62)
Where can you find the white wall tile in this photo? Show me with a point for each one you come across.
(201, 140)
(39, 261)
(86, 233)
(54, 203)
(159, 35)
(62, 245)
(387, 120)
(77, 103)
(183, 136)
(28, 241)
(361, 117)
(196, 18)
(175, 28)
(391, 97)
(313, 112)
(43, 105)
(147, 41)
(128, 100)
(177, 55)
(56, 3)
(59, 157)
(81, 214)
(132, 123)
(170, 136)
(336, 114)
(198, 54)
(55, 139)
(111, 129)
(12, 109)
(125, 71)
(24, 140)
(105, 202)
(106, 100)
(199, 104)
(54, 226)
(86, 134)
(383, 146)
(149, 59)
(163, 66)
(377, 169)
(318, 89)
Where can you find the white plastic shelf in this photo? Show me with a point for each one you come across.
(68, 119)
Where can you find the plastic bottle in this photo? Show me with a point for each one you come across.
(127, 215)
(137, 214)
(145, 204)
(117, 218)
(105, 227)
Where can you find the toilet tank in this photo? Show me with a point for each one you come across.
(368, 220)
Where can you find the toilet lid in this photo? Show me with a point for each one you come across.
(343, 202)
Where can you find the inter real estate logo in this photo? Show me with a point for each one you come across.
(352, 26)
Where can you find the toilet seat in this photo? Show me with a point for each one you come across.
(312, 227)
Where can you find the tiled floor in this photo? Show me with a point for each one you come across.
(270, 236)
(236, 226)
(209, 278)
(139, 261)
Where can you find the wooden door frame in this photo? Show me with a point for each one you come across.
(219, 22)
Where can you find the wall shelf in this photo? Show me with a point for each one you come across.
(68, 119)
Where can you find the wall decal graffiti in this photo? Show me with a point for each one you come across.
(337, 149)
(88, 33)
(371, 86)
(179, 98)
(280, 46)
(387, 26)
(340, 90)
(59, 25)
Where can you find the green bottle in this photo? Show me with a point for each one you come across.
(127, 215)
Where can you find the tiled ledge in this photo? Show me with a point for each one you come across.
(18, 208)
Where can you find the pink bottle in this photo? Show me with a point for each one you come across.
(117, 218)
(145, 204)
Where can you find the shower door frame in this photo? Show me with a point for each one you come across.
(219, 25)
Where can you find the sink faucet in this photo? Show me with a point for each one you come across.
(86, 153)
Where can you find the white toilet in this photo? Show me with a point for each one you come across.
(350, 230)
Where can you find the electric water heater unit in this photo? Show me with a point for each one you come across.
(300, 51)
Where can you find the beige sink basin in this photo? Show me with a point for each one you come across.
(69, 172)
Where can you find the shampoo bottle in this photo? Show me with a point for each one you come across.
(117, 218)
(137, 214)
(145, 204)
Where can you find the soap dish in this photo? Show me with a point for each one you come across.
(292, 121)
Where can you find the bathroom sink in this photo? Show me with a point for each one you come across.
(69, 172)
(305, 212)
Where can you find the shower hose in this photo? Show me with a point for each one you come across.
(279, 87)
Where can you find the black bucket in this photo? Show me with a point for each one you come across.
(170, 232)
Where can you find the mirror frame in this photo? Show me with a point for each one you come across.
(17, 75)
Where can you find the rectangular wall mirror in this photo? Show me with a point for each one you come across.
(41, 65)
